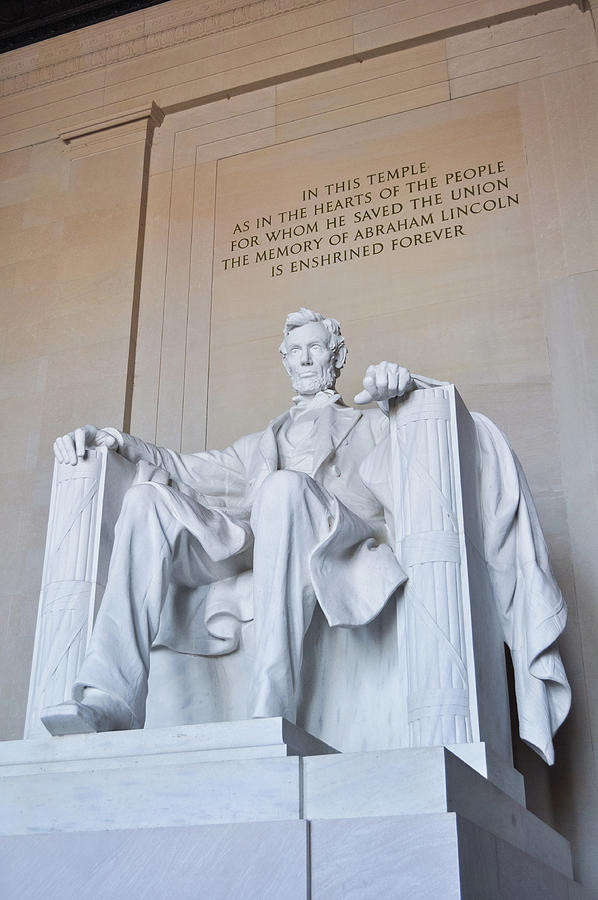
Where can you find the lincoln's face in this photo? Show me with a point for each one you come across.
(308, 359)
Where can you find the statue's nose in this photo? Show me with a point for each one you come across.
(305, 357)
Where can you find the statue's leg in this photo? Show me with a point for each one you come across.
(152, 547)
(291, 516)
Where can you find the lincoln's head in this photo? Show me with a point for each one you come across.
(313, 351)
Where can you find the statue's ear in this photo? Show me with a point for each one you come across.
(284, 362)
(341, 356)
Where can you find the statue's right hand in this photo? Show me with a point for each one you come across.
(71, 447)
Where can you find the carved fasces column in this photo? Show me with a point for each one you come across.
(428, 542)
(84, 506)
(447, 626)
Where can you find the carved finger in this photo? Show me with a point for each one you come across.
(80, 442)
(363, 397)
(58, 450)
(382, 378)
(62, 454)
(71, 449)
(67, 450)
(105, 439)
(369, 382)
(405, 381)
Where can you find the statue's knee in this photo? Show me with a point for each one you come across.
(141, 500)
(282, 489)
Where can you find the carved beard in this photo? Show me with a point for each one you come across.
(318, 381)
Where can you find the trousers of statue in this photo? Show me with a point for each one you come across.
(154, 549)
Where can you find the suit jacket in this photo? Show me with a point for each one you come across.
(354, 571)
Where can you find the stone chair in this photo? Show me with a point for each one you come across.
(429, 670)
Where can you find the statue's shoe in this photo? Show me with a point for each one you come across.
(97, 712)
(73, 717)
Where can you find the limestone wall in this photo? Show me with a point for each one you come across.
(126, 302)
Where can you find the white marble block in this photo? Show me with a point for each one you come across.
(425, 858)
(214, 742)
(428, 780)
(241, 772)
(422, 857)
(228, 813)
(224, 772)
(212, 862)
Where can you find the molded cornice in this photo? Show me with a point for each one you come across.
(128, 36)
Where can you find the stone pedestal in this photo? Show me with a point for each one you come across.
(261, 809)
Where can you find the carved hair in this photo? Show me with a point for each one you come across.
(306, 316)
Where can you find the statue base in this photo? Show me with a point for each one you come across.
(262, 809)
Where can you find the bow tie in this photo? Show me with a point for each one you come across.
(318, 401)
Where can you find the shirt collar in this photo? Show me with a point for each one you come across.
(317, 401)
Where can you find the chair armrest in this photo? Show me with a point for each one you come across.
(448, 629)
(84, 506)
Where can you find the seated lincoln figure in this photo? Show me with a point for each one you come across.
(287, 504)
